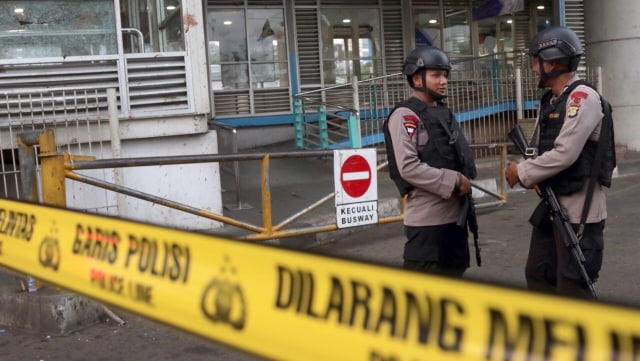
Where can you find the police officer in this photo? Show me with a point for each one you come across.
(431, 163)
(567, 137)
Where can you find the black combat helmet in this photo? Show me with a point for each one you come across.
(425, 57)
(557, 43)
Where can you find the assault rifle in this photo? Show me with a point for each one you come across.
(468, 217)
(558, 215)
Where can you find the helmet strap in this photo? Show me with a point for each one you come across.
(550, 75)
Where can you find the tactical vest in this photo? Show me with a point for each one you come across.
(446, 147)
(572, 179)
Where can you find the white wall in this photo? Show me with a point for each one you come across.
(196, 185)
(612, 36)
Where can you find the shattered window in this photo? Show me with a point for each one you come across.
(247, 49)
(57, 28)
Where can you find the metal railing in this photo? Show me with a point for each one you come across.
(63, 166)
(80, 119)
(487, 103)
(59, 162)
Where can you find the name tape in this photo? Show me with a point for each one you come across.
(288, 305)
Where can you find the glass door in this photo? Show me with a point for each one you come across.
(152, 26)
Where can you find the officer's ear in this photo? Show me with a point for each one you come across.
(417, 78)
(564, 64)
(559, 64)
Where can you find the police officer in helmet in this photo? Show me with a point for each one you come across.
(557, 44)
(432, 164)
(572, 128)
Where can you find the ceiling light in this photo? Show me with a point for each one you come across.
(509, 21)
(18, 10)
(346, 21)
(171, 7)
(227, 22)
(540, 7)
(433, 21)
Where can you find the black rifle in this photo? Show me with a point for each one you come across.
(558, 214)
(468, 217)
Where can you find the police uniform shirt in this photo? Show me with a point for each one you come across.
(583, 119)
(430, 202)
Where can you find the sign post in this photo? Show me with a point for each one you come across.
(356, 187)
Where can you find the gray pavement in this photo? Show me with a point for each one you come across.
(504, 242)
(299, 183)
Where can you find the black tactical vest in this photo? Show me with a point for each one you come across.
(446, 148)
(552, 117)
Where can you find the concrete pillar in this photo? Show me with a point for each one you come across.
(612, 37)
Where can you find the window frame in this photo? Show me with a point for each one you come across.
(251, 89)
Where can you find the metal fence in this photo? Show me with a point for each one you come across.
(486, 103)
(81, 123)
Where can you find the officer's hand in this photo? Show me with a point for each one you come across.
(511, 173)
(463, 185)
(537, 189)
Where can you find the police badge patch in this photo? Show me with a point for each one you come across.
(574, 104)
(572, 111)
(410, 124)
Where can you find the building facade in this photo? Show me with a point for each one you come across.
(58, 59)
(264, 51)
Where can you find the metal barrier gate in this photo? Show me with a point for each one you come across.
(59, 167)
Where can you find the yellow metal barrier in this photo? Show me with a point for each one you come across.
(57, 167)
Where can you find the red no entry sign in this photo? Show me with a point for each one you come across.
(355, 176)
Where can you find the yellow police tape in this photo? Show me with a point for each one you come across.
(288, 305)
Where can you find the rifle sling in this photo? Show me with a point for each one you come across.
(604, 136)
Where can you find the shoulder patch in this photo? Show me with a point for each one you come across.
(410, 123)
(577, 97)
(410, 117)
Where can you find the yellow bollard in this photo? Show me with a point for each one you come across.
(53, 186)
(53, 171)
(266, 196)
